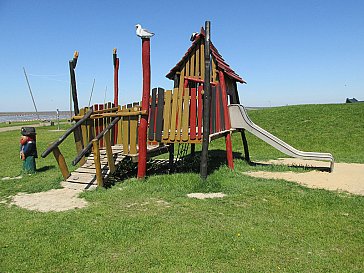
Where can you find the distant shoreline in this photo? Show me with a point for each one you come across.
(32, 116)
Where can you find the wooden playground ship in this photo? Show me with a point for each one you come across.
(165, 117)
(197, 110)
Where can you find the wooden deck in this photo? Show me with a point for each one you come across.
(85, 176)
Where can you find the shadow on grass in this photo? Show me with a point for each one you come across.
(190, 164)
(45, 168)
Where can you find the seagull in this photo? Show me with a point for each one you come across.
(193, 36)
(143, 33)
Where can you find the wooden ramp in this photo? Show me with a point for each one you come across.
(85, 176)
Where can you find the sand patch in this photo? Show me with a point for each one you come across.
(200, 195)
(52, 200)
(345, 177)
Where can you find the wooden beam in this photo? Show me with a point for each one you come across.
(110, 159)
(61, 163)
(96, 151)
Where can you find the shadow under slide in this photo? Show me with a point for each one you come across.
(240, 120)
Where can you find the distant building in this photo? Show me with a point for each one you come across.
(353, 100)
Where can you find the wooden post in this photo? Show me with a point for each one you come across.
(61, 163)
(206, 104)
(142, 133)
(110, 159)
(96, 151)
(116, 89)
(171, 157)
(229, 149)
(77, 132)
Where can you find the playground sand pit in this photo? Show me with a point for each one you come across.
(52, 200)
(345, 177)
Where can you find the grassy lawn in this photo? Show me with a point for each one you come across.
(151, 226)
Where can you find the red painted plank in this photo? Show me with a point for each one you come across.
(193, 114)
(218, 126)
(199, 109)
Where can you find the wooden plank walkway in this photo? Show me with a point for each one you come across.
(85, 176)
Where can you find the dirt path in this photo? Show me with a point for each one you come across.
(18, 127)
(345, 177)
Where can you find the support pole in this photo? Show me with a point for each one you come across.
(31, 93)
(142, 133)
(229, 148)
(171, 157)
(206, 104)
(77, 133)
(116, 88)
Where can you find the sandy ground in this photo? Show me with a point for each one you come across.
(345, 177)
(52, 200)
(200, 195)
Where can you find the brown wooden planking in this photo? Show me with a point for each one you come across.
(125, 131)
(174, 114)
(159, 120)
(167, 113)
(152, 115)
(185, 114)
(101, 125)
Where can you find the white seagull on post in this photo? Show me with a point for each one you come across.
(143, 33)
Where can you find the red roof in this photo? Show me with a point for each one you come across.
(221, 64)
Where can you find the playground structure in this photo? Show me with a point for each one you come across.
(203, 105)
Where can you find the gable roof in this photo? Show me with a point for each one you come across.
(220, 62)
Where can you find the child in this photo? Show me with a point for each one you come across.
(28, 153)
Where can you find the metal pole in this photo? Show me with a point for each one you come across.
(92, 91)
(31, 93)
(58, 119)
(206, 105)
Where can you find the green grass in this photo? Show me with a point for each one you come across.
(151, 226)
(25, 123)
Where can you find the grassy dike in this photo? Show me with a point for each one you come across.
(151, 226)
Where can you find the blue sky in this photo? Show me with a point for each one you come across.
(289, 52)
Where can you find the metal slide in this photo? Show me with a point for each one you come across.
(240, 120)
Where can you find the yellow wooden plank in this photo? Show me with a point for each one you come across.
(214, 70)
(83, 127)
(197, 68)
(167, 113)
(96, 151)
(61, 163)
(192, 65)
(187, 66)
(185, 114)
(110, 159)
(174, 114)
(202, 60)
(133, 134)
(120, 136)
(179, 106)
(125, 125)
